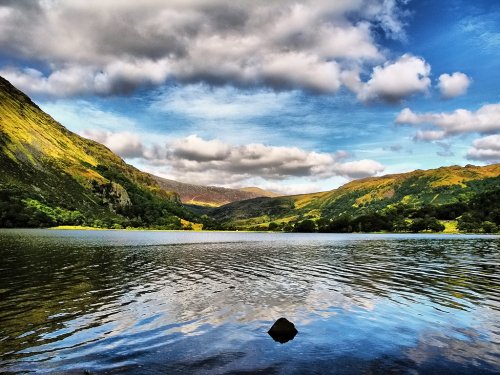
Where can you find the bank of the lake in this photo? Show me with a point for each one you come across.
(78, 227)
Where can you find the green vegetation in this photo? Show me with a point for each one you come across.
(51, 176)
(447, 199)
(471, 217)
(18, 211)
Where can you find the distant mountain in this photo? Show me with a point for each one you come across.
(51, 176)
(405, 196)
(260, 192)
(212, 196)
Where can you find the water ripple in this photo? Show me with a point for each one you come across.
(146, 302)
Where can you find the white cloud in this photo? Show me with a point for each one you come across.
(125, 144)
(393, 81)
(197, 149)
(119, 76)
(291, 187)
(359, 168)
(429, 135)
(407, 116)
(96, 47)
(66, 81)
(453, 85)
(486, 149)
(213, 162)
(390, 17)
(485, 120)
(291, 70)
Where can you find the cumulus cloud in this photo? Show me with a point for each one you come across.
(196, 149)
(485, 149)
(194, 155)
(69, 80)
(485, 120)
(453, 85)
(358, 168)
(197, 160)
(96, 47)
(393, 81)
(125, 144)
(267, 162)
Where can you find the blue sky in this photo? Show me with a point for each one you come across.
(293, 96)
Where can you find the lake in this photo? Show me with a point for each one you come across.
(137, 302)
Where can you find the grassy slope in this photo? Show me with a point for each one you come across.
(436, 186)
(41, 157)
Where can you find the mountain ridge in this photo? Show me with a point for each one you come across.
(211, 196)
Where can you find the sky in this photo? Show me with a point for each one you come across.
(291, 96)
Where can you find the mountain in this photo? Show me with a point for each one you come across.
(445, 193)
(51, 176)
(211, 196)
(260, 192)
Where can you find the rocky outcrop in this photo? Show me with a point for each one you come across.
(112, 194)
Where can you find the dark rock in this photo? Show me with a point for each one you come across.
(282, 330)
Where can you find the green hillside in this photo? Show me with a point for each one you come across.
(51, 176)
(419, 200)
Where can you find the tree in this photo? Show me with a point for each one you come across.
(489, 227)
(273, 226)
(468, 223)
(426, 223)
(305, 226)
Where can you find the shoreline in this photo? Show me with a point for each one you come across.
(75, 227)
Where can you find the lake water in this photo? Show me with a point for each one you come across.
(201, 303)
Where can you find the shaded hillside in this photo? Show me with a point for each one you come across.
(257, 208)
(50, 176)
(210, 195)
(410, 193)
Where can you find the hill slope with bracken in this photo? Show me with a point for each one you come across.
(445, 188)
(50, 176)
(212, 196)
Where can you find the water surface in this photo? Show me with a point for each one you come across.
(201, 303)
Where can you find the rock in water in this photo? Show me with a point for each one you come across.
(282, 330)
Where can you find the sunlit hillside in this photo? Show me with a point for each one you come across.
(50, 176)
(413, 191)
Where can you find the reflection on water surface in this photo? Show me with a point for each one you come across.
(148, 302)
